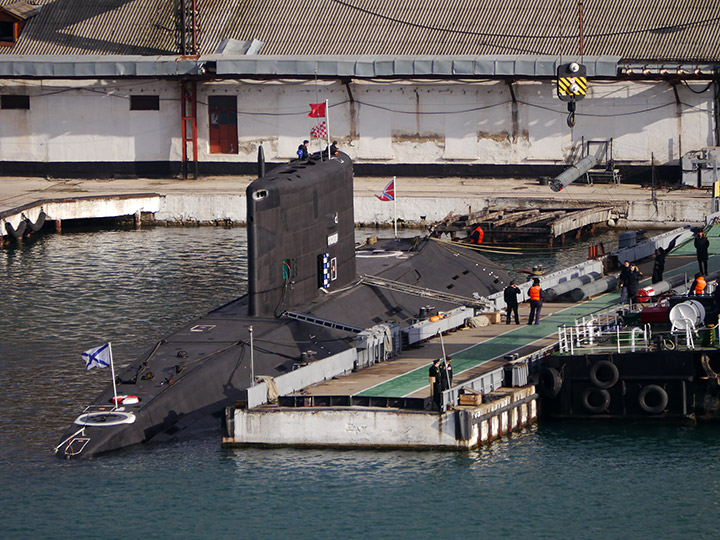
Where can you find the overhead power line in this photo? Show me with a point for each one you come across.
(655, 29)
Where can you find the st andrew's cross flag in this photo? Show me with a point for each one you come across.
(98, 357)
(388, 193)
(317, 110)
(319, 131)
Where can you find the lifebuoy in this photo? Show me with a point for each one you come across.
(604, 374)
(550, 382)
(653, 399)
(596, 400)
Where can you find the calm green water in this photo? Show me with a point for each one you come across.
(63, 294)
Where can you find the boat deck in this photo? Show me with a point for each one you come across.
(475, 351)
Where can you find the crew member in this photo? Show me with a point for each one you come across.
(446, 374)
(698, 286)
(659, 266)
(623, 280)
(302, 151)
(535, 294)
(333, 149)
(434, 379)
(634, 282)
(510, 295)
(701, 248)
(476, 237)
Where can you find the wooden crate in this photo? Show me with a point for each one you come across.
(470, 399)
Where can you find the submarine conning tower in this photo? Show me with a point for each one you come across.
(301, 233)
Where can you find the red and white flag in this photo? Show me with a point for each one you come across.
(388, 193)
(319, 131)
(317, 110)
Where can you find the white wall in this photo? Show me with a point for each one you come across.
(373, 121)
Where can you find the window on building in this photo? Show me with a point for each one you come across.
(144, 103)
(14, 102)
(7, 32)
(223, 124)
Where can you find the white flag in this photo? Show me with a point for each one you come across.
(98, 357)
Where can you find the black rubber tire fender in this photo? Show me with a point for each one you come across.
(550, 382)
(589, 399)
(651, 390)
(35, 227)
(604, 374)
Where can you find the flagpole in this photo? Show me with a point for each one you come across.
(395, 205)
(112, 371)
(252, 360)
(327, 123)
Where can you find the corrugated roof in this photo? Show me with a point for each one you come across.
(636, 30)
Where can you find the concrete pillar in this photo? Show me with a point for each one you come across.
(58, 226)
(138, 219)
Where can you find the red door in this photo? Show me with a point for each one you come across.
(223, 124)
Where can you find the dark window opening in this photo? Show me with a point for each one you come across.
(7, 31)
(144, 103)
(15, 102)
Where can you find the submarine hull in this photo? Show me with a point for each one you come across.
(302, 258)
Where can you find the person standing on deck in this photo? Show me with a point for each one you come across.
(535, 301)
(634, 283)
(659, 266)
(446, 374)
(623, 280)
(434, 380)
(702, 244)
(510, 296)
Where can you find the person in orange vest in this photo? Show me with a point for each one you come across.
(535, 295)
(476, 237)
(698, 286)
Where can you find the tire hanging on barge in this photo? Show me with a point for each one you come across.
(653, 399)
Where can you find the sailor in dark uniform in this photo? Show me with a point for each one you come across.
(434, 379)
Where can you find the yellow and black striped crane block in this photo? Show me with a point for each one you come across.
(571, 81)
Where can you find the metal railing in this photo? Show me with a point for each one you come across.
(602, 338)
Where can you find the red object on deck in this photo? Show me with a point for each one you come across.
(644, 294)
(655, 314)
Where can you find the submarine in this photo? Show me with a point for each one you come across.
(311, 290)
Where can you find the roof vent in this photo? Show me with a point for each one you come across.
(12, 20)
(237, 47)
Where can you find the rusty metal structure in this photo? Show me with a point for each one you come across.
(541, 225)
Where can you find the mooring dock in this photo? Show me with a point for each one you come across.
(389, 404)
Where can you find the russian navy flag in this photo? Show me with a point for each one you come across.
(98, 357)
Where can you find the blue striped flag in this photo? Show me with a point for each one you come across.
(98, 357)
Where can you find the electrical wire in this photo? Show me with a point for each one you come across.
(656, 29)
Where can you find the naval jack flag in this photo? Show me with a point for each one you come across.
(388, 194)
(101, 357)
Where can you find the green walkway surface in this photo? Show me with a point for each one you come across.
(512, 340)
(687, 248)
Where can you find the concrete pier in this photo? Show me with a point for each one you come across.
(463, 427)
(419, 200)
